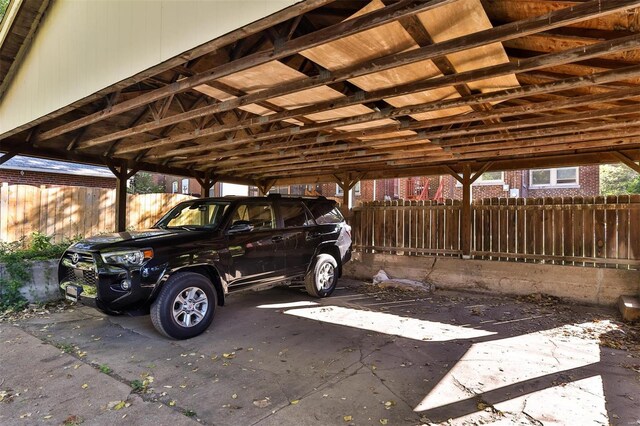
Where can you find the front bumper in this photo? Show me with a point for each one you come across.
(85, 278)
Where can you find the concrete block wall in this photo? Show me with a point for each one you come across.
(599, 286)
(43, 286)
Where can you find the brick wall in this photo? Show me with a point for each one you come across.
(588, 186)
(26, 177)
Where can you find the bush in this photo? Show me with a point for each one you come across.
(16, 256)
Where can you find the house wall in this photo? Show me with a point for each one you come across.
(26, 177)
(82, 47)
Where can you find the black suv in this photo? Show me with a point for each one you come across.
(203, 249)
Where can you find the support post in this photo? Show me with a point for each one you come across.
(121, 199)
(346, 183)
(122, 174)
(206, 184)
(465, 225)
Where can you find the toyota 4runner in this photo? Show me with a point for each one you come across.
(201, 251)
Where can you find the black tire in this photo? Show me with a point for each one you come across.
(322, 279)
(179, 318)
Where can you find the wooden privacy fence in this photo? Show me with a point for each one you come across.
(591, 231)
(66, 212)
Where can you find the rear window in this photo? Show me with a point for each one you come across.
(294, 214)
(326, 213)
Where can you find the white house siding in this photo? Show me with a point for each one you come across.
(84, 46)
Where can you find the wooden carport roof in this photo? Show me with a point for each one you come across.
(351, 90)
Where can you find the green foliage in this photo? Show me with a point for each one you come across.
(138, 386)
(142, 183)
(104, 368)
(3, 8)
(16, 256)
(634, 186)
(617, 179)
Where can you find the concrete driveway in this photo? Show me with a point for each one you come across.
(364, 356)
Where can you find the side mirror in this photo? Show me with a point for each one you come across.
(240, 226)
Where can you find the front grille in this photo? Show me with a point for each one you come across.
(81, 277)
(81, 272)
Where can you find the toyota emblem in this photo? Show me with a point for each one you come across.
(75, 258)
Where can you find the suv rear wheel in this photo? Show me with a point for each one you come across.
(322, 279)
(185, 306)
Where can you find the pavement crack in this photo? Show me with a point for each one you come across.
(462, 387)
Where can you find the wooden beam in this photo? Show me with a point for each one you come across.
(264, 185)
(543, 161)
(387, 113)
(326, 35)
(503, 112)
(516, 29)
(427, 136)
(626, 161)
(8, 156)
(480, 172)
(454, 174)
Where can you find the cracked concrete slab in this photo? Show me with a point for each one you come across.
(486, 359)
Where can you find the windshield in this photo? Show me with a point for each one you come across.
(196, 214)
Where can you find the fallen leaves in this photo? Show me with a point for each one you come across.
(117, 405)
(84, 386)
(262, 403)
(347, 418)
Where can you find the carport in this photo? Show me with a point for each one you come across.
(285, 92)
(324, 91)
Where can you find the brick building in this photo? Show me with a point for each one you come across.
(583, 181)
(48, 173)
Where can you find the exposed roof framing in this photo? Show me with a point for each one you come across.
(378, 89)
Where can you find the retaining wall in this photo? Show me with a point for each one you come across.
(600, 286)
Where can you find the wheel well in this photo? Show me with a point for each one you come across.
(334, 251)
(212, 274)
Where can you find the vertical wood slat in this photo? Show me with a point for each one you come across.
(634, 229)
(611, 231)
(623, 227)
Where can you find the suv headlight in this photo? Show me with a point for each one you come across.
(128, 257)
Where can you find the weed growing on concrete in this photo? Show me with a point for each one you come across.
(104, 368)
(138, 386)
(67, 348)
(190, 413)
(16, 256)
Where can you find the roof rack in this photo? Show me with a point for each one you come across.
(306, 197)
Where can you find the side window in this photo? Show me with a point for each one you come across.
(294, 214)
(325, 213)
(259, 215)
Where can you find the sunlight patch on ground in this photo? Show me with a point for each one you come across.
(410, 328)
(576, 403)
(498, 365)
(288, 305)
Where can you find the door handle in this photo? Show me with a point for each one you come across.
(277, 239)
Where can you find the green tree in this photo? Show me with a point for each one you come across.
(634, 186)
(142, 183)
(616, 179)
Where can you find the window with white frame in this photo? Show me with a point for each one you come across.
(185, 186)
(488, 178)
(566, 176)
(174, 187)
(356, 189)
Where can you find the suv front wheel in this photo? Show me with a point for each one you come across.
(185, 306)
(322, 279)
